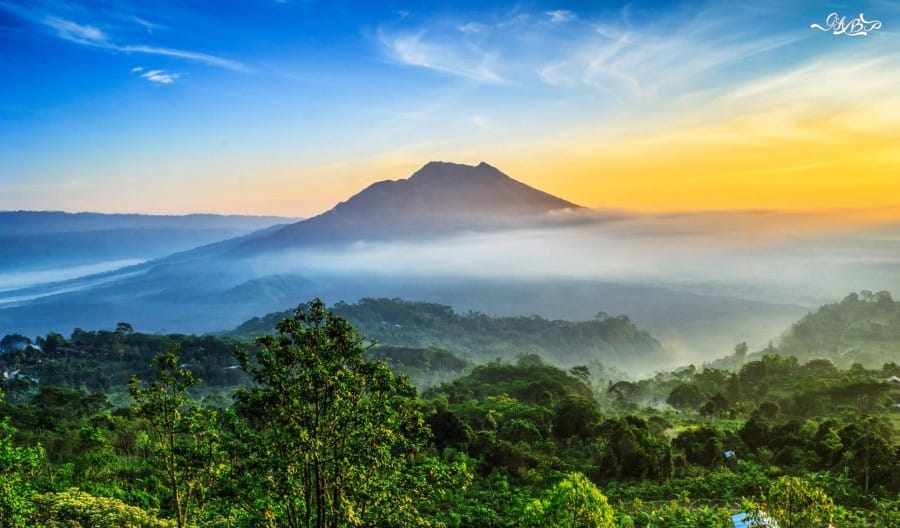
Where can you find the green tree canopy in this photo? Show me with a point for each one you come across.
(795, 503)
(574, 502)
(331, 438)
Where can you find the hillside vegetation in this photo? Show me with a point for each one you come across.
(611, 341)
(863, 328)
(308, 427)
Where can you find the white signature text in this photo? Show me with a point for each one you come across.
(856, 27)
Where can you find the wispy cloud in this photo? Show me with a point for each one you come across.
(160, 76)
(80, 34)
(146, 24)
(473, 27)
(559, 16)
(469, 61)
(155, 76)
(647, 62)
(205, 58)
(482, 123)
(610, 55)
(92, 36)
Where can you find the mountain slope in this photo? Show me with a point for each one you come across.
(440, 197)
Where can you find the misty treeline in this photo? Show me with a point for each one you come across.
(480, 338)
(319, 433)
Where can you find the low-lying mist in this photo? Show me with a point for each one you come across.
(769, 256)
(25, 279)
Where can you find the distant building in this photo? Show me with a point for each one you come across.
(893, 379)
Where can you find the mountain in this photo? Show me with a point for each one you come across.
(439, 198)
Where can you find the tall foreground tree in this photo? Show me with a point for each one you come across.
(185, 436)
(331, 439)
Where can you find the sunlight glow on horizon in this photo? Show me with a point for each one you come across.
(641, 107)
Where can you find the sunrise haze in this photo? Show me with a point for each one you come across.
(287, 108)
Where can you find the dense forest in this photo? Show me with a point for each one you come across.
(613, 341)
(312, 425)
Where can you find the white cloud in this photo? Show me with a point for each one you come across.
(87, 35)
(137, 69)
(482, 123)
(667, 57)
(473, 27)
(645, 63)
(412, 49)
(211, 60)
(146, 24)
(558, 16)
(160, 76)
(73, 32)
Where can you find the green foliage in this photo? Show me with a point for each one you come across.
(184, 437)
(615, 341)
(576, 416)
(425, 367)
(870, 452)
(77, 508)
(680, 513)
(860, 329)
(686, 397)
(538, 384)
(517, 418)
(104, 361)
(794, 503)
(630, 450)
(573, 502)
(324, 435)
(17, 469)
(329, 438)
(702, 446)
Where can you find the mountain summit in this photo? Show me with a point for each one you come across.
(448, 191)
(439, 198)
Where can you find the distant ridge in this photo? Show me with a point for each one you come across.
(43, 222)
(46, 240)
(438, 198)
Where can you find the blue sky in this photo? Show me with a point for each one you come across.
(286, 107)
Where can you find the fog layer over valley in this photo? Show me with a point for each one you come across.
(475, 239)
